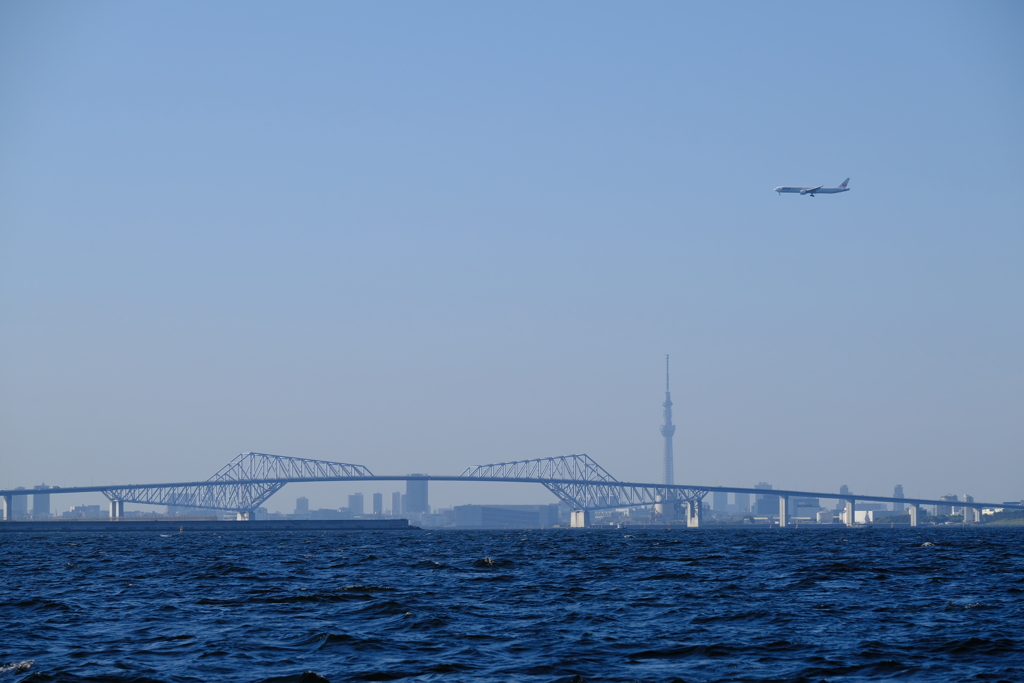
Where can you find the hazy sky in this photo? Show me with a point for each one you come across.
(421, 236)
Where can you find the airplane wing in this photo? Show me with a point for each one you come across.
(811, 190)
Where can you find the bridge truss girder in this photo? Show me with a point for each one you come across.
(581, 482)
(587, 496)
(566, 467)
(263, 467)
(242, 485)
(238, 497)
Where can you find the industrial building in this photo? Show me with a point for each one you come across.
(506, 516)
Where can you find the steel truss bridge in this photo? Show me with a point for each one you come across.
(248, 481)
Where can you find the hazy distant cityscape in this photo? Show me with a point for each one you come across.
(723, 508)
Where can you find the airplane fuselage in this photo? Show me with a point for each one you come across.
(813, 190)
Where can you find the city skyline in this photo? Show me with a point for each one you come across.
(459, 234)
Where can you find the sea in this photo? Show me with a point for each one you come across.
(568, 605)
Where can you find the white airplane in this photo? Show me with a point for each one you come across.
(820, 189)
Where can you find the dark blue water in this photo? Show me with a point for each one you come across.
(691, 605)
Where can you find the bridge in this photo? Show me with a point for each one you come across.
(250, 479)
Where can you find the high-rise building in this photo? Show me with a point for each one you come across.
(302, 505)
(742, 502)
(764, 504)
(416, 495)
(720, 501)
(19, 505)
(840, 503)
(667, 430)
(355, 504)
(378, 504)
(966, 511)
(897, 493)
(41, 503)
(396, 504)
(946, 509)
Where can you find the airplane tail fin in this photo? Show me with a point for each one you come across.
(845, 182)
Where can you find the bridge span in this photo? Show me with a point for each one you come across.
(250, 479)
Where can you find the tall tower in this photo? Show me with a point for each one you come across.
(667, 430)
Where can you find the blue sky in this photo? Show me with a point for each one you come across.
(423, 236)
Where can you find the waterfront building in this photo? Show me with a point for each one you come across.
(804, 507)
(85, 512)
(41, 503)
(764, 504)
(506, 516)
(355, 504)
(415, 496)
(396, 504)
(946, 509)
(302, 507)
(378, 504)
(840, 508)
(897, 493)
(19, 505)
(742, 502)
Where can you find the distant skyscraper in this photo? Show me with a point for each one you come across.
(897, 493)
(302, 506)
(378, 504)
(720, 501)
(355, 504)
(396, 504)
(841, 504)
(19, 505)
(667, 430)
(742, 502)
(765, 504)
(41, 503)
(946, 509)
(416, 495)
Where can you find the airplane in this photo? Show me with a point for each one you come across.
(820, 189)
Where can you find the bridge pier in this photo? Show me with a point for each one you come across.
(783, 512)
(850, 514)
(116, 509)
(579, 519)
(971, 515)
(8, 507)
(914, 510)
(694, 512)
(665, 509)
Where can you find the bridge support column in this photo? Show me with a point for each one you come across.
(850, 515)
(665, 509)
(8, 507)
(116, 509)
(693, 513)
(783, 512)
(579, 519)
(914, 512)
(970, 515)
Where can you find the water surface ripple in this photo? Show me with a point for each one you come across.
(555, 605)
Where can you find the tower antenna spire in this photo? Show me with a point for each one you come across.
(667, 430)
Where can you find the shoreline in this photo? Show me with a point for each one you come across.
(175, 526)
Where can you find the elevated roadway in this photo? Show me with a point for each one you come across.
(246, 482)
